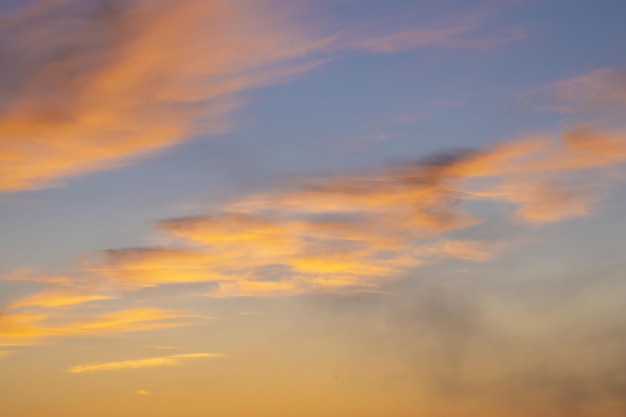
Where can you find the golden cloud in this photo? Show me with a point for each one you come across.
(18, 329)
(57, 297)
(89, 85)
(353, 232)
(171, 360)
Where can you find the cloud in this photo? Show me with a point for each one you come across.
(600, 90)
(339, 233)
(542, 176)
(497, 345)
(358, 231)
(28, 274)
(18, 329)
(468, 249)
(159, 265)
(254, 255)
(172, 360)
(57, 297)
(89, 85)
(144, 392)
(447, 37)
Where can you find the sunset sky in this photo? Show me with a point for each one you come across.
(306, 208)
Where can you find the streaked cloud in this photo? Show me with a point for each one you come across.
(447, 37)
(172, 360)
(31, 275)
(144, 392)
(58, 297)
(599, 90)
(347, 232)
(17, 329)
(358, 231)
(89, 85)
(159, 265)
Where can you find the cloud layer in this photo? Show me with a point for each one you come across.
(342, 232)
(346, 232)
(88, 85)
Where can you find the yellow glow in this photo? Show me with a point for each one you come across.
(28, 328)
(172, 360)
(57, 298)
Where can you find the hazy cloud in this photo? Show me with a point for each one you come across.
(448, 37)
(493, 346)
(600, 90)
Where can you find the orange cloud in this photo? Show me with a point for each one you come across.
(18, 329)
(92, 85)
(58, 297)
(547, 180)
(356, 231)
(268, 255)
(172, 360)
(151, 266)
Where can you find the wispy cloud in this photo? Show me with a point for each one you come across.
(447, 37)
(335, 233)
(58, 297)
(172, 360)
(17, 329)
(345, 232)
(89, 85)
(600, 90)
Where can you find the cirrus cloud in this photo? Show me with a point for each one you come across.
(90, 85)
(599, 90)
(171, 360)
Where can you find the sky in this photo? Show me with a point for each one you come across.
(341, 208)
